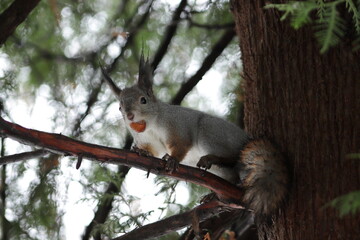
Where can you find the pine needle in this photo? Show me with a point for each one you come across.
(353, 9)
(331, 28)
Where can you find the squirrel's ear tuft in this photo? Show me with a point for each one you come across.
(116, 90)
(145, 80)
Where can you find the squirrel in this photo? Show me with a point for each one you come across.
(194, 138)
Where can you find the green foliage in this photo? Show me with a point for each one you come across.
(299, 12)
(353, 155)
(329, 22)
(4, 4)
(330, 27)
(37, 208)
(119, 225)
(346, 204)
(353, 8)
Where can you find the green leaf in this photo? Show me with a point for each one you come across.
(354, 10)
(346, 204)
(353, 155)
(321, 8)
(302, 14)
(331, 28)
(285, 7)
(299, 12)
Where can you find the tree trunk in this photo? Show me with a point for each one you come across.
(308, 103)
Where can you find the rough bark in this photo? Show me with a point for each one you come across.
(308, 103)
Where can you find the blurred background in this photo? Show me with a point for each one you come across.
(50, 81)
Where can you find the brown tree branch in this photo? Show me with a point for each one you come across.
(47, 54)
(22, 156)
(92, 99)
(211, 26)
(206, 65)
(13, 16)
(192, 23)
(64, 145)
(177, 222)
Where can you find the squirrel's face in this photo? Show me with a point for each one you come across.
(136, 105)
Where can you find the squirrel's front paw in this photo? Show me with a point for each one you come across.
(171, 163)
(141, 152)
(205, 162)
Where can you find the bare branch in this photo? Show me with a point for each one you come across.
(22, 156)
(49, 55)
(14, 15)
(177, 222)
(206, 65)
(212, 26)
(64, 145)
(92, 99)
(192, 23)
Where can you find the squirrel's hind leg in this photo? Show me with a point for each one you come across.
(178, 149)
(210, 159)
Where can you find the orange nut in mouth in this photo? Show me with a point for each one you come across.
(138, 126)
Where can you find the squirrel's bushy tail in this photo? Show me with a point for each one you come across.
(264, 177)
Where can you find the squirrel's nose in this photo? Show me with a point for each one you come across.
(130, 116)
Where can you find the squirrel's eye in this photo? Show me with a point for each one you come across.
(119, 107)
(143, 100)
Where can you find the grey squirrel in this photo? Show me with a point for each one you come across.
(179, 134)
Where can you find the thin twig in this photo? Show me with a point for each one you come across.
(168, 35)
(192, 23)
(132, 33)
(206, 65)
(22, 156)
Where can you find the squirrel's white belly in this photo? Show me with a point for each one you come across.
(154, 139)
